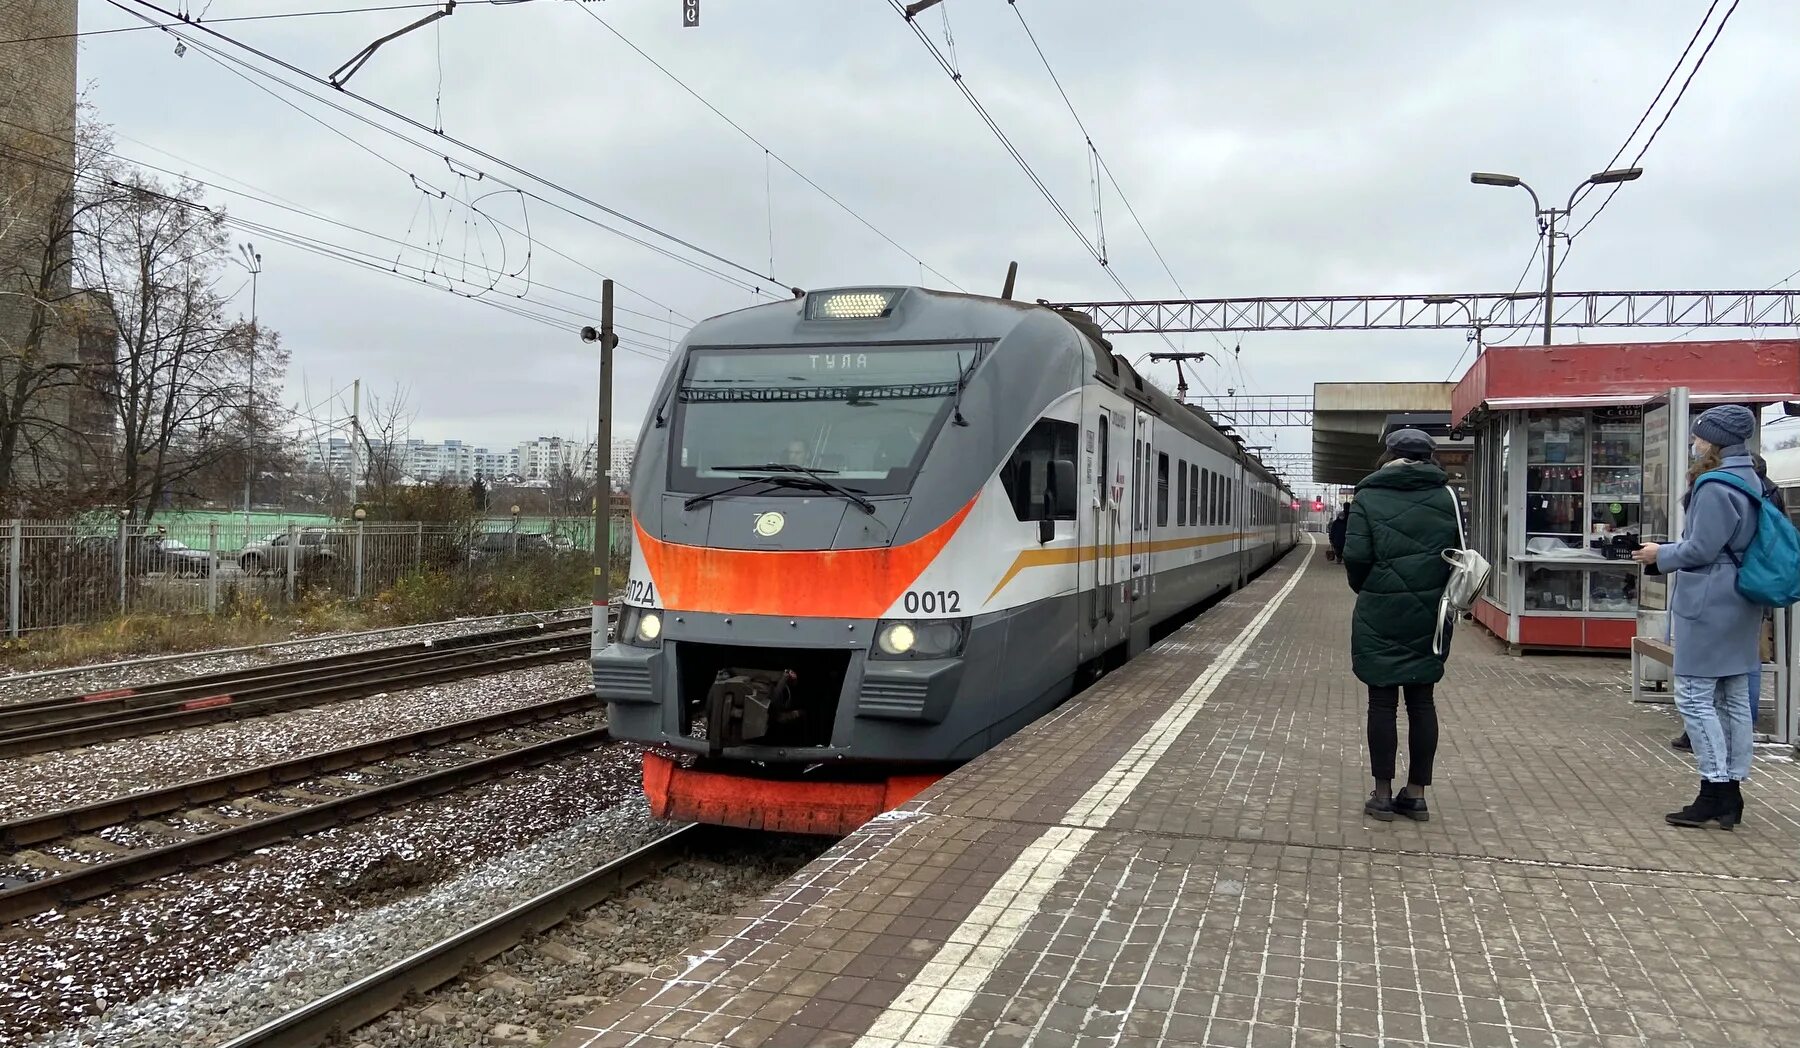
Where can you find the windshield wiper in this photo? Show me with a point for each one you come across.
(813, 478)
(710, 495)
(776, 467)
(962, 379)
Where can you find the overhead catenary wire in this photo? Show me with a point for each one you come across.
(769, 154)
(344, 253)
(962, 85)
(249, 72)
(1651, 108)
(269, 200)
(403, 118)
(1099, 161)
(1660, 124)
(272, 16)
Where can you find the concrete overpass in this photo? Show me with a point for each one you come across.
(1350, 418)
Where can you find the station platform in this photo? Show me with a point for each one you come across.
(1179, 857)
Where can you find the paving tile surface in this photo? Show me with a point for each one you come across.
(1178, 857)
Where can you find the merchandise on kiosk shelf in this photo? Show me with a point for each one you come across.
(1564, 484)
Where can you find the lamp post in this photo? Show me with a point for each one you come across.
(252, 261)
(1547, 217)
(360, 514)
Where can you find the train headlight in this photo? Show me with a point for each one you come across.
(862, 303)
(920, 638)
(640, 627)
(896, 638)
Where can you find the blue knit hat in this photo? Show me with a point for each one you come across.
(1725, 425)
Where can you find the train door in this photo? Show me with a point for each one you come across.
(1142, 513)
(1239, 504)
(1104, 486)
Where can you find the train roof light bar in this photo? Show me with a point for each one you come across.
(859, 303)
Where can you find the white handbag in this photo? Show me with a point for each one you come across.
(1469, 572)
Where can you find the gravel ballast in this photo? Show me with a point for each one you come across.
(85, 964)
(528, 994)
(47, 782)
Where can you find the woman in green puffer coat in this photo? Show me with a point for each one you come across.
(1400, 524)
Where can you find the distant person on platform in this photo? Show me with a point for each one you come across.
(1716, 631)
(1402, 520)
(1334, 533)
(1772, 492)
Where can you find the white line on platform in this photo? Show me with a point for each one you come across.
(931, 1004)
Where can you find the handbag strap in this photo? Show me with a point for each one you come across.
(1462, 541)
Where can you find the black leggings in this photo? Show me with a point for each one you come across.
(1384, 737)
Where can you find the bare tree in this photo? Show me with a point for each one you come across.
(382, 432)
(154, 256)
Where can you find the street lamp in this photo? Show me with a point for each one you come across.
(1547, 217)
(252, 261)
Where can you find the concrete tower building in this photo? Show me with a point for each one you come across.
(40, 320)
(37, 148)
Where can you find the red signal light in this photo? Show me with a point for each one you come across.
(1318, 505)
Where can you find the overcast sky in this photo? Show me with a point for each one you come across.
(1273, 148)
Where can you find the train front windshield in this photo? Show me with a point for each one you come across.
(863, 415)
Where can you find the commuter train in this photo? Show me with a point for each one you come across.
(876, 530)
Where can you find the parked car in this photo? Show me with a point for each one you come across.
(270, 553)
(172, 557)
(145, 554)
(490, 544)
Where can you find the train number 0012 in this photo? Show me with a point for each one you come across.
(639, 591)
(931, 602)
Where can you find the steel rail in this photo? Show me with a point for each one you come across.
(36, 829)
(377, 994)
(141, 866)
(359, 683)
(227, 679)
(322, 638)
(273, 678)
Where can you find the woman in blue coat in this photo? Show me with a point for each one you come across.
(1715, 629)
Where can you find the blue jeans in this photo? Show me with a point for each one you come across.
(1716, 711)
(1755, 695)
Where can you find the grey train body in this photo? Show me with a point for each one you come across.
(973, 472)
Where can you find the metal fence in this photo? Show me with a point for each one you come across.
(63, 572)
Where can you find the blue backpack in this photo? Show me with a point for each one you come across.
(1769, 571)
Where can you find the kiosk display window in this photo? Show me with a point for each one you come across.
(1583, 487)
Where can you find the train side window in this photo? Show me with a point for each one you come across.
(1145, 496)
(1162, 490)
(1193, 494)
(1137, 484)
(1039, 467)
(1181, 518)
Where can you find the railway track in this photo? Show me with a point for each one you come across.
(568, 721)
(375, 995)
(79, 720)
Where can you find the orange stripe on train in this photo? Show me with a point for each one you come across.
(838, 583)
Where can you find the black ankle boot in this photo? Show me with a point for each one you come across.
(1714, 802)
(1681, 742)
(1734, 793)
